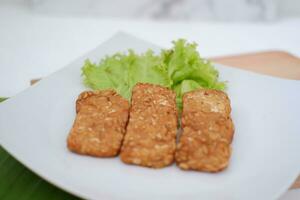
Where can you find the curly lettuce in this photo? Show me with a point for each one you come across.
(188, 71)
(122, 71)
(180, 68)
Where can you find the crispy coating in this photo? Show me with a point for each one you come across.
(100, 123)
(207, 131)
(150, 138)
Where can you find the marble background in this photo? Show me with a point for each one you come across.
(195, 10)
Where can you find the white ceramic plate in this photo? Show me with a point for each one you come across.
(266, 111)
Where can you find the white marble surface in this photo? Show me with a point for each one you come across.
(228, 10)
(34, 45)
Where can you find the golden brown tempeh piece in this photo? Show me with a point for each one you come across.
(100, 123)
(207, 131)
(150, 138)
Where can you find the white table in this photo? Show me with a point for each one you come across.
(34, 45)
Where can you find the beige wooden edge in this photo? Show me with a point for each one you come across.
(274, 63)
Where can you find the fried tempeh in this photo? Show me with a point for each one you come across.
(207, 131)
(150, 138)
(100, 123)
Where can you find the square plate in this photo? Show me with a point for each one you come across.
(265, 161)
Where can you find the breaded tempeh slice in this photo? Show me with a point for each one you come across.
(207, 131)
(150, 138)
(100, 123)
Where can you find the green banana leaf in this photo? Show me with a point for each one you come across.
(19, 183)
(2, 99)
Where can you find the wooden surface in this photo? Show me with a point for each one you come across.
(274, 63)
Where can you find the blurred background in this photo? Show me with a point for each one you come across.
(196, 10)
(39, 37)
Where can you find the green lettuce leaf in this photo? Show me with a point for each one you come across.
(180, 68)
(148, 68)
(123, 71)
(183, 87)
(188, 71)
